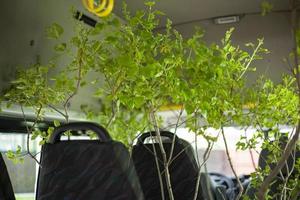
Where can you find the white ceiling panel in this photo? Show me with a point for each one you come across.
(180, 11)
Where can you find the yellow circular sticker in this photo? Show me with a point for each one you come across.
(103, 9)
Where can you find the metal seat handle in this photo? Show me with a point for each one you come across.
(144, 136)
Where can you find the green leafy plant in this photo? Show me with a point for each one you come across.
(142, 69)
(16, 156)
(266, 7)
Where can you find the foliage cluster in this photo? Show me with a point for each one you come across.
(144, 69)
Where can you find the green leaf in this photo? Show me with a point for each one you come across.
(150, 3)
(56, 123)
(111, 39)
(54, 31)
(114, 22)
(83, 83)
(266, 7)
(138, 102)
(98, 28)
(99, 92)
(19, 149)
(16, 156)
(60, 47)
(50, 130)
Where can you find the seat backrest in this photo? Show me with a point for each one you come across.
(183, 168)
(86, 169)
(289, 165)
(6, 190)
(287, 169)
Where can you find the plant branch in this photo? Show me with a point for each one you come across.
(113, 115)
(241, 189)
(174, 137)
(57, 110)
(289, 148)
(260, 43)
(292, 143)
(29, 131)
(294, 35)
(79, 78)
(158, 172)
(250, 151)
(206, 157)
(164, 155)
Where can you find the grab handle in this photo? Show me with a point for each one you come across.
(80, 126)
(144, 136)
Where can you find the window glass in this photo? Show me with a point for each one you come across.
(22, 175)
(244, 162)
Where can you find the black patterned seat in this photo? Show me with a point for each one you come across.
(86, 169)
(266, 159)
(6, 190)
(183, 168)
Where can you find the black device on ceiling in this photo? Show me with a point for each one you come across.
(86, 19)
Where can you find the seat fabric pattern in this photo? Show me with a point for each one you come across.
(87, 170)
(183, 170)
(6, 190)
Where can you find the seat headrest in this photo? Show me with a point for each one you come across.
(265, 153)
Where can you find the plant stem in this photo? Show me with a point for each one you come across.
(289, 148)
(159, 173)
(29, 131)
(250, 152)
(57, 110)
(292, 143)
(206, 157)
(113, 115)
(241, 189)
(260, 43)
(164, 155)
(79, 77)
(174, 137)
(294, 35)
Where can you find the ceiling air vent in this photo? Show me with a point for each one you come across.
(227, 19)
